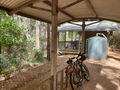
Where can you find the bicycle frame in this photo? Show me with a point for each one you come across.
(76, 64)
(78, 71)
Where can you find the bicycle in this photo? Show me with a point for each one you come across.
(77, 71)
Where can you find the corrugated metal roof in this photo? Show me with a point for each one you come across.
(68, 10)
(101, 26)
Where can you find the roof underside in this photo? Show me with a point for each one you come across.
(100, 26)
(68, 10)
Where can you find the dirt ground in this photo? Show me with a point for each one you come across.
(105, 74)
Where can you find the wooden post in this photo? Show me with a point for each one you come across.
(65, 41)
(58, 41)
(79, 44)
(83, 36)
(62, 79)
(54, 42)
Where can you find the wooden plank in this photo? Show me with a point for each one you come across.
(62, 78)
(66, 82)
(51, 83)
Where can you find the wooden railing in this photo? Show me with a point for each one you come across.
(62, 81)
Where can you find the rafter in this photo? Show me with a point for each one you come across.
(75, 24)
(85, 24)
(94, 22)
(39, 8)
(89, 4)
(49, 3)
(24, 5)
(72, 4)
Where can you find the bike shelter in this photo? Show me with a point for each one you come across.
(57, 12)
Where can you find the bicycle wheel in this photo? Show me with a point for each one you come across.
(76, 79)
(86, 73)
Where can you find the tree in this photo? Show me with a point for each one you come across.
(10, 32)
(48, 42)
(37, 36)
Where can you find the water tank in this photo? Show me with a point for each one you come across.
(97, 47)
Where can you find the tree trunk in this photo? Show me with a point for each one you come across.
(9, 49)
(48, 42)
(37, 36)
(0, 48)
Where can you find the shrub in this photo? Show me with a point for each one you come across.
(4, 65)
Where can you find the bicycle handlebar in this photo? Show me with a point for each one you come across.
(80, 55)
(83, 57)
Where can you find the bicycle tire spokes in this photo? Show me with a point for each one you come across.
(76, 80)
(86, 73)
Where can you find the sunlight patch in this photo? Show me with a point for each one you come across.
(99, 87)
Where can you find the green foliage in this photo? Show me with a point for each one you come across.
(62, 36)
(38, 58)
(4, 64)
(15, 62)
(13, 38)
(115, 39)
(10, 32)
(70, 34)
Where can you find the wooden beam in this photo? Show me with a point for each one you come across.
(54, 20)
(33, 17)
(22, 6)
(39, 8)
(100, 18)
(89, 4)
(49, 3)
(75, 24)
(93, 23)
(67, 14)
(25, 15)
(72, 4)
